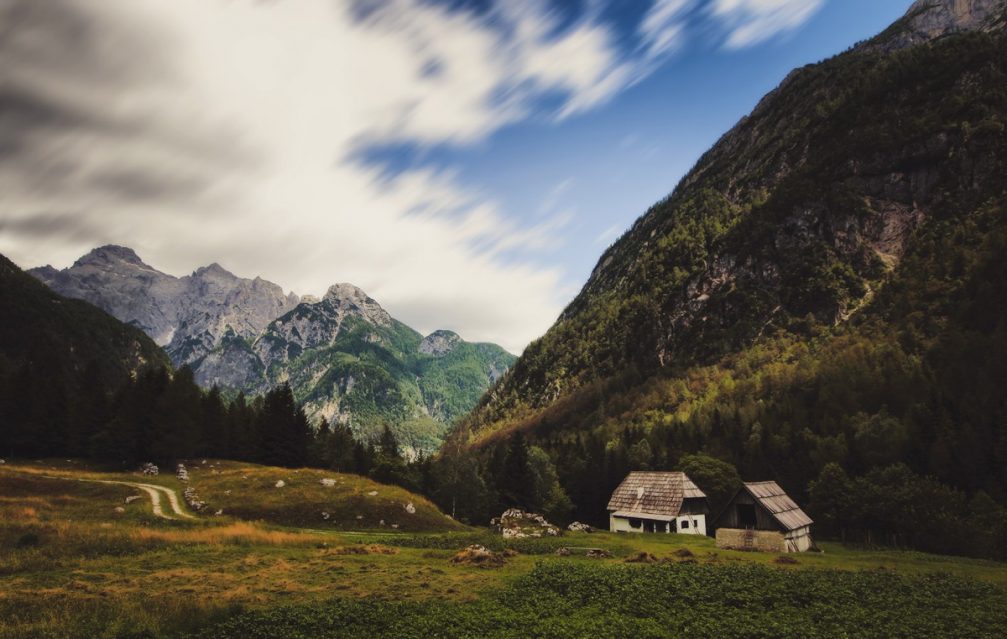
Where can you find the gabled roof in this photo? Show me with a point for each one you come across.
(777, 503)
(653, 493)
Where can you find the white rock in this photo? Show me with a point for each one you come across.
(328, 483)
(219, 512)
(120, 509)
(325, 515)
(132, 498)
(373, 493)
(281, 484)
(395, 525)
(410, 508)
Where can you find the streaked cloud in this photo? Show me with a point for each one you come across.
(200, 131)
(749, 22)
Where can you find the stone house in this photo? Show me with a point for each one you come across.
(761, 516)
(658, 502)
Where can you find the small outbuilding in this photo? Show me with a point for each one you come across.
(761, 516)
(658, 502)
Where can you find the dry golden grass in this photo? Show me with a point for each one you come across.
(235, 533)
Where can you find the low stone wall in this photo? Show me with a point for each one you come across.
(761, 540)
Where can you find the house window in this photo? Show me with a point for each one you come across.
(685, 524)
(635, 523)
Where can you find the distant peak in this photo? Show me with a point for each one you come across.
(439, 343)
(347, 292)
(111, 253)
(213, 269)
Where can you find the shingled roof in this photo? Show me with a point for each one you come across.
(778, 504)
(653, 493)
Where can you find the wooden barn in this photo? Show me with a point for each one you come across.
(658, 502)
(761, 516)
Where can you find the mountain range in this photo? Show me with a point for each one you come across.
(825, 285)
(344, 356)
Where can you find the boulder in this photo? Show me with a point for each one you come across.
(579, 527)
(281, 484)
(516, 523)
(149, 469)
(410, 508)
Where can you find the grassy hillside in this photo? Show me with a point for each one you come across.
(71, 566)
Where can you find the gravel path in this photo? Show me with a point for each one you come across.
(153, 490)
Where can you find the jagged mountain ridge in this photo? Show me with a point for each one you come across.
(188, 316)
(801, 213)
(344, 356)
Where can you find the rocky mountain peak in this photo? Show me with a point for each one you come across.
(439, 343)
(214, 270)
(931, 19)
(110, 254)
(347, 297)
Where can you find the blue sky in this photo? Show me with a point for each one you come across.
(604, 168)
(463, 161)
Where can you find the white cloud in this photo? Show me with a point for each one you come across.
(226, 130)
(203, 130)
(750, 22)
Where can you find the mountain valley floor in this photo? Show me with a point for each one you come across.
(77, 560)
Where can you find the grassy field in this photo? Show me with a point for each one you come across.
(72, 566)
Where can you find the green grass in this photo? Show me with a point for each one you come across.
(92, 572)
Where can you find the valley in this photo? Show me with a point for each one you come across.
(71, 566)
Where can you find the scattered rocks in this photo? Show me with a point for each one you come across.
(181, 473)
(326, 515)
(410, 508)
(328, 483)
(579, 527)
(563, 552)
(478, 556)
(191, 498)
(132, 498)
(516, 523)
(598, 553)
(281, 483)
(149, 469)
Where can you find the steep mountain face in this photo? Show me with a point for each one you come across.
(858, 210)
(55, 355)
(188, 315)
(344, 356)
(928, 20)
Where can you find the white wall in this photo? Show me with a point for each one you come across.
(697, 524)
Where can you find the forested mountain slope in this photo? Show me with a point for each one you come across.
(825, 285)
(57, 356)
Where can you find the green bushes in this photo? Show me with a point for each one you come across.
(560, 600)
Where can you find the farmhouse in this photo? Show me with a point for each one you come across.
(761, 516)
(658, 502)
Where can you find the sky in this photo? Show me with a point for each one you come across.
(465, 162)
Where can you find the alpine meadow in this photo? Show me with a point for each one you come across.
(462, 387)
